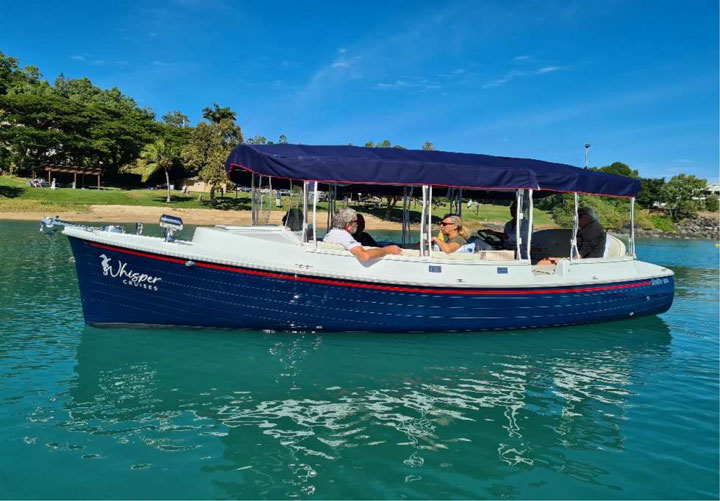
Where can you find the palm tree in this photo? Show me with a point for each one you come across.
(158, 155)
(218, 113)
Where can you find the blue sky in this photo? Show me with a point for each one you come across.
(636, 79)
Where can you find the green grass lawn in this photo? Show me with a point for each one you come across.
(17, 196)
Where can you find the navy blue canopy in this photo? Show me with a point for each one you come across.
(384, 167)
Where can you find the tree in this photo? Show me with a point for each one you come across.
(176, 119)
(620, 169)
(209, 146)
(218, 113)
(258, 140)
(680, 195)
(428, 146)
(651, 192)
(282, 139)
(156, 156)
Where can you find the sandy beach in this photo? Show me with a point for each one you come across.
(143, 214)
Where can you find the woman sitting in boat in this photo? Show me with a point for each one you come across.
(345, 224)
(454, 234)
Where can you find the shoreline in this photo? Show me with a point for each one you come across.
(110, 214)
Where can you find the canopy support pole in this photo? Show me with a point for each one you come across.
(421, 246)
(530, 225)
(253, 218)
(459, 202)
(429, 221)
(315, 197)
(574, 254)
(518, 218)
(632, 227)
(305, 212)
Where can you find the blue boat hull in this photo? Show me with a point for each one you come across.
(122, 286)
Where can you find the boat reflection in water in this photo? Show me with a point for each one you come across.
(269, 415)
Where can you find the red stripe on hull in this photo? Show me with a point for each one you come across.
(392, 288)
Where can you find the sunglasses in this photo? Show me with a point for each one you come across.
(445, 224)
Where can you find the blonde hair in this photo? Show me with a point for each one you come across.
(462, 231)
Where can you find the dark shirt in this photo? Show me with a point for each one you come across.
(365, 239)
(591, 240)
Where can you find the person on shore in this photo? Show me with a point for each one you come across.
(454, 234)
(361, 236)
(345, 224)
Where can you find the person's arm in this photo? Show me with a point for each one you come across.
(370, 254)
(499, 234)
(447, 248)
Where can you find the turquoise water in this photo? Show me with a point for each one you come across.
(619, 410)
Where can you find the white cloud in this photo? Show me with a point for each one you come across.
(521, 58)
(511, 75)
(417, 84)
(548, 69)
(78, 58)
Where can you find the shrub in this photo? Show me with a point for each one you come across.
(663, 222)
(711, 203)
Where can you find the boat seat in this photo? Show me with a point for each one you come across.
(614, 247)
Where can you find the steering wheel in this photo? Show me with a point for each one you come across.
(491, 240)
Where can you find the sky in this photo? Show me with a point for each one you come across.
(638, 80)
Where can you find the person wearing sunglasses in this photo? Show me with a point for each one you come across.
(454, 234)
(345, 224)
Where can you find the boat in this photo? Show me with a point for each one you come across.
(285, 278)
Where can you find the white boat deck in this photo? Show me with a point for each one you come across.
(275, 248)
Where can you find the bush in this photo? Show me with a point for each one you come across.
(712, 203)
(613, 213)
(663, 222)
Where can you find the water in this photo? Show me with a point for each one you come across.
(619, 410)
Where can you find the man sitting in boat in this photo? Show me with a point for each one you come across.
(591, 236)
(453, 233)
(361, 236)
(345, 224)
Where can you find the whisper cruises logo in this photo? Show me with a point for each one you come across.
(128, 277)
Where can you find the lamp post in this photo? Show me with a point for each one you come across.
(587, 148)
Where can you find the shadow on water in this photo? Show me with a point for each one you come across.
(454, 413)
